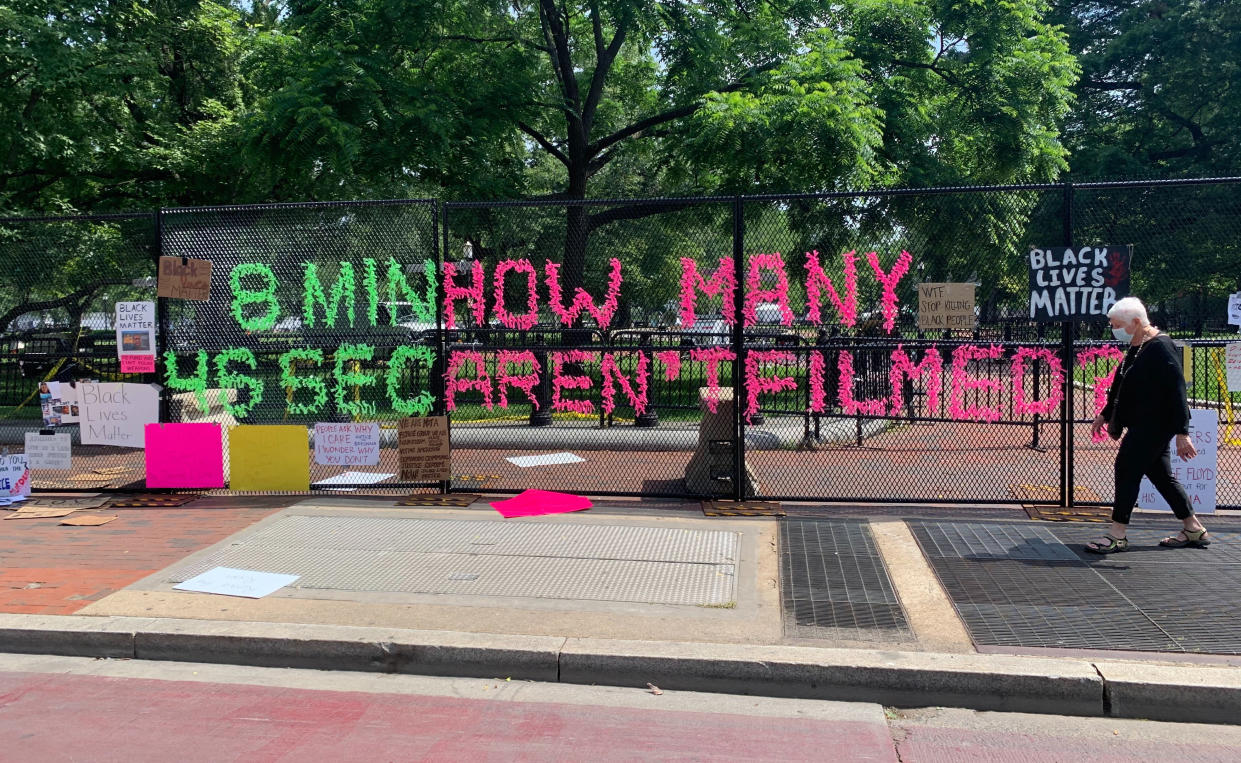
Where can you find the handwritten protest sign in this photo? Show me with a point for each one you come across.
(1072, 283)
(116, 414)
(49, 451)
(135, 337)
(1234, 309)
(424, 452)
(1198, 474)
(347, 444)
(185, 455)
(14, 478)
(1232, 365)
(945, 306)
(185, 278)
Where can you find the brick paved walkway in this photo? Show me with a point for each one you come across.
(49, 569)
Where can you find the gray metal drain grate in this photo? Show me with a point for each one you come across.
(832, 579)
(628, 563)
(1030, 585)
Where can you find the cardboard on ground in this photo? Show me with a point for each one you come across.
(945, 306)
(230, 581)
(89, 520)
(269, 458)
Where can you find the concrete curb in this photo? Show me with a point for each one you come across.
(1061, 686)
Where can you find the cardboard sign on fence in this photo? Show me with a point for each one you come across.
(52, 450)
(1198, 474)
(424, 450)
(185, 278)
(945, 306)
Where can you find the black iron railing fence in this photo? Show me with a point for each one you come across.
(546, 326)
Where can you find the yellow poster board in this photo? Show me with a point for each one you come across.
(269, 458)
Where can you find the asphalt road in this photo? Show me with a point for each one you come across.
(64, 708)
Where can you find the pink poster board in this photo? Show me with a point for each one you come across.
(533, 503)
(184, 455)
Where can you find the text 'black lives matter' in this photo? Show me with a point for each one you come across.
(1077, 283)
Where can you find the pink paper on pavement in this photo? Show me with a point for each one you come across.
(137, 364)
(533, 503)
(184, 455)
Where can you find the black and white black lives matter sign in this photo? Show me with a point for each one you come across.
(1074, 283)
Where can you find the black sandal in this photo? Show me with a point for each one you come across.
(1115, 545)
(1193, 539)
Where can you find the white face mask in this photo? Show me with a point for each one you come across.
(1122, 335)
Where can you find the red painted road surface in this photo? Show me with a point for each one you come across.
(63, 717)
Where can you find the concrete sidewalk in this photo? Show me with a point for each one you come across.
(629, 593)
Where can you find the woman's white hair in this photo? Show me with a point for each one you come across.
(1129, 308)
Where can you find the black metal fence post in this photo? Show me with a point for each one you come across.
(739, 351)
(1068, 331)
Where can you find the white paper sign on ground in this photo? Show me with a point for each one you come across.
(354, 478)
(230, 581)
(49, 451)
(116, 414)
(347, 444)
(1234, 309)
(1232, 365)
(14, 478)
(544, 460)
(1198, 474)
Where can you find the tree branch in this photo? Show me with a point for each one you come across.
(76, 297)
(1101, 85)
(670, 114)
(604, 58)
(631, 212)
(544, 142)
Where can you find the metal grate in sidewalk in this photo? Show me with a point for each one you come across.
(833, 580)
(1031, 585)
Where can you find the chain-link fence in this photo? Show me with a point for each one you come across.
(63, 277)
(757, 346)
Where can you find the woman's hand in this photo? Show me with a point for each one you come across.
(1185, 447)
(1096, 429)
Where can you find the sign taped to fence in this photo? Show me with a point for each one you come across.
(424, 450)
(1234, 309)
(14, 478)
(185, 455)
(185, 278)
(53, 450)
(269, 458)
(347, 444)
(135, 337)
(1198, 474)
(1232, 366)
(60, 403)
(1074, 283)
(945, 306)
(116, 414)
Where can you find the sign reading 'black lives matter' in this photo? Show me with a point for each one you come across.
(1075, 283)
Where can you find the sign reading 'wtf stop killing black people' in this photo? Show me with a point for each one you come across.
(1077, 283)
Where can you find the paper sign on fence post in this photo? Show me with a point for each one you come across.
(424, 452)
(135, 337)
(1234, 309)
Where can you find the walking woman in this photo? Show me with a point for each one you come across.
(1147, 397)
